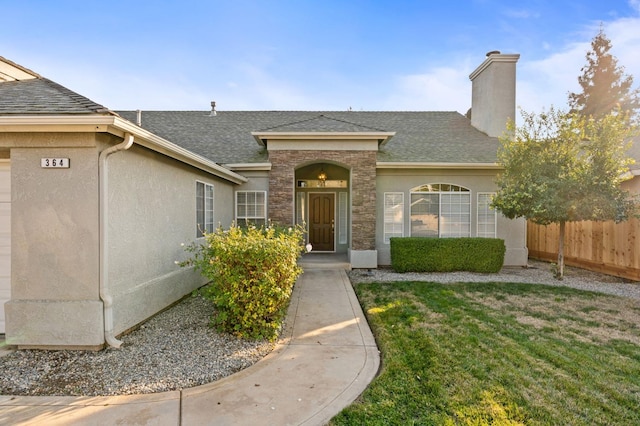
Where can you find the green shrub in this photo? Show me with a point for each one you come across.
(414, 254)
(253, 271)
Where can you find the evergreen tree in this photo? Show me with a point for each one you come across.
(605, 86)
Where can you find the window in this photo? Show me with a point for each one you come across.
(486, 216)
(440, 210)
(301, 213)
(393, 215)
(251, 207)
(343, 209)
(204, 208)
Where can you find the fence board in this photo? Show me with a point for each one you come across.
(607, 247)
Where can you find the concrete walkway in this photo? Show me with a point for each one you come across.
(326, 358)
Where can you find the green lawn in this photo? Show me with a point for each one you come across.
(499, 354)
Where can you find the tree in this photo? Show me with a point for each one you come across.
(564, 167)
(605, 87)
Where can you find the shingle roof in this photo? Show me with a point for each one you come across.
(43, 96)
(320, 123)
(424, 137)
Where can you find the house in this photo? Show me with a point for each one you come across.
(632, 184)
(95, 216)
(99, 201)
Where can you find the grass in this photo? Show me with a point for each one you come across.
(504, 354)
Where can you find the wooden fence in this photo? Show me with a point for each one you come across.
(609, 247)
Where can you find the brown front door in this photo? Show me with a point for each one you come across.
(321, 221)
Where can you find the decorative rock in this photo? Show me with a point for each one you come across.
(174, 350)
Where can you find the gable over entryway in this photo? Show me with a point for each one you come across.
(323, 140)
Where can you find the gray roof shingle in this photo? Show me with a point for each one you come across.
(423, 137)
(420, 137)
(43, 96)
(321, 123)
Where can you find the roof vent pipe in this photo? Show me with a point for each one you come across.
(213, 109)
(139, 117)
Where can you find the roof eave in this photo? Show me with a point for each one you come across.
(381, 137)
(441, 165)
(245, 167)
(118, 126)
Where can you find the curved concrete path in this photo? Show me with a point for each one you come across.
(326, 358)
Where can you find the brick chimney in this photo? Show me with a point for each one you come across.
(493, 93)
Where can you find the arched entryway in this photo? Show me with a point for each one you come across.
(322, 205)
(356, 234)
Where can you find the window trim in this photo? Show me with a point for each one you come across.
(208, 209)
(495, 216)
(385, 239)
(343, 212)
(431, 189)
(251, 218)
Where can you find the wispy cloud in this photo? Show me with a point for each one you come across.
(439, 89)
(547, 81)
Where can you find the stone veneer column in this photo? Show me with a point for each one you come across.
(362, 165)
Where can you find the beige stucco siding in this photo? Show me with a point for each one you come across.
(5, 237)
(54, 228)
(55, 250)
(632, 185)
(478, 181)
(151, 216)
(149, 211)
(258, 181)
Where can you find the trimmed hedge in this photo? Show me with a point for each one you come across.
(415, 254)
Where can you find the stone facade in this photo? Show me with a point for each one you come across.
(362, 165)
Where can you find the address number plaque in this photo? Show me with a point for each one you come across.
(54, 163)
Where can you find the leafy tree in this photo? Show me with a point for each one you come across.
(605, 87)
(564, 167)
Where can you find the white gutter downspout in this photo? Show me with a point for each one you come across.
(105, 295)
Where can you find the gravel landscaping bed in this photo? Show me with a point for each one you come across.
(177, 349)
(537, 272)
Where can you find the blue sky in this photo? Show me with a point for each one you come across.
(310, 55)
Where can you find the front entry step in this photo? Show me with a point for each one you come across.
(324, 261)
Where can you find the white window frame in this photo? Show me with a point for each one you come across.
(393, 215)
(485, 209)
(301, 209)
(343, 211)
(258, 215)
(445, 227)
(204, 208)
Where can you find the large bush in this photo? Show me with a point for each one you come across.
(414, 254)
(252, 272)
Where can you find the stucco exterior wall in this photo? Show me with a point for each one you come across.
(151, 214)
(632, 185)
(513, 232)
(493, 94)
(258, 181)
(151, 203)
(55, 241)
